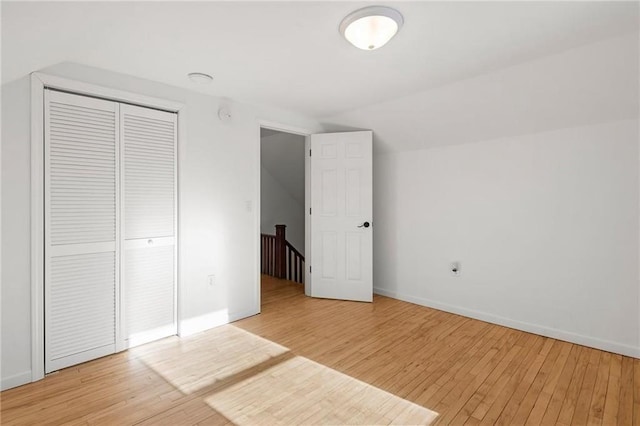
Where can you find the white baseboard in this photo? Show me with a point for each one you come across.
(195, 325)
(568, 336)
(15, 380)
(244, 314)
(204, 322)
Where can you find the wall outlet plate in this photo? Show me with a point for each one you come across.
(211, 280)
(454, 269)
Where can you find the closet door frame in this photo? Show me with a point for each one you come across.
(39, 82)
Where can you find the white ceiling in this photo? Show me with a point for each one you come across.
(289, 54)
(282, 154)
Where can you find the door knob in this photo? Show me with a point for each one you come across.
(364, 225)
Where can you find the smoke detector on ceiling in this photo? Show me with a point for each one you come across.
(224, 114)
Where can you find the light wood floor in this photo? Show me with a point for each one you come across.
(312, 361)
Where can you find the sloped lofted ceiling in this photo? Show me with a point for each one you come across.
(290, 54)
(282, 155)
(591, 84)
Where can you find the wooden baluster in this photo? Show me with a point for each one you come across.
(280, 259)
(269, 257)
(290, 265)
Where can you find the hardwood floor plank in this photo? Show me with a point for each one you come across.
(596, 410)
(585, 396)
(530, 366)
(528, 401)
(625, 409)
(487, 379)
(555, 404)
(544, 397)
(636, 391)
(458, 402)
(569, 404)
(494, 392)
(612, 400)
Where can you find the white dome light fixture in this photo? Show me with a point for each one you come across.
(371, 27)
(200, 78)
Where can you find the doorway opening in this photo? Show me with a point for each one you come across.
(282, 209)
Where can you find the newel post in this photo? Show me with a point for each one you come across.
(281, 259)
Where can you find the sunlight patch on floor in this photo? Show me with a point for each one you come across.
(207, 359)
(301, 391)
(251, 380)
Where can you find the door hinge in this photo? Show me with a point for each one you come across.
(309, 153)
(309, 268)
(309, 210)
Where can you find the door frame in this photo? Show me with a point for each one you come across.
(40, 81)
(272, 125)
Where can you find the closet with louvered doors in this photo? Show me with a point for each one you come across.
(107, 166)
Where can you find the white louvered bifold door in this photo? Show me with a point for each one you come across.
(81, 228)
(149, 223)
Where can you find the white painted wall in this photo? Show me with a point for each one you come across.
(545, 227)
(277, 206)
(219, 222)
(15, 296)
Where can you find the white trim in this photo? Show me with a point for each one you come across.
(554, 333)
(121, 325)
(38, 83)
(181, 149)
(81, 88)
(272, 125)
(16, 380)
(37, 227)
(204, 322)
(308, 284)
(190, 326)
(242, 314)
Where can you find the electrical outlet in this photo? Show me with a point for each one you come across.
(454, 268)
(211, 280)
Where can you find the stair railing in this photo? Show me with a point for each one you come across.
(279, 258)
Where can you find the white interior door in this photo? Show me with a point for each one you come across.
(149, 223)
(341, 216)
(81, 229)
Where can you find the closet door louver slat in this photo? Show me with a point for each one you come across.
(149, 309)
(149, 170)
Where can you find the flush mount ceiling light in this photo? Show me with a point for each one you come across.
(200, 78)
(371, 27)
